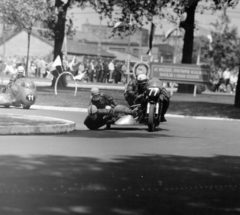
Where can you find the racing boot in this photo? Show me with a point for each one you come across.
(164, 110)
(163, 119)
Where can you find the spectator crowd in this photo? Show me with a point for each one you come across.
(101, 71)
(224, 80)
(106, 71)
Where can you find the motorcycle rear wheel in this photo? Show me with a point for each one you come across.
(151, 118)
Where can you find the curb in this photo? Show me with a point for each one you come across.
(84, 110)
(45, 125)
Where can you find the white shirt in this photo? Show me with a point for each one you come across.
(111, 66)
(233, 78)
(226, 74)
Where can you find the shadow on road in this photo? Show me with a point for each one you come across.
(143, 185)
(122, 133)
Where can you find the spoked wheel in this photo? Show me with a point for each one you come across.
(151, 118)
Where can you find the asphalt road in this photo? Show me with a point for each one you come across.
(188, 166)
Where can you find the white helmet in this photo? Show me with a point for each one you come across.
(20, 69)
(142, 79)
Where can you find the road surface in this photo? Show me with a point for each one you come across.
(188, 166)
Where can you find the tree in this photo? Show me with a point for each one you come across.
(62, 26)
(142, 11)
(23, 14)
(149, 10)
(225, 45)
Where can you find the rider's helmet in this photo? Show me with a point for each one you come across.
(92, 111)
(95, 94)
(142, 80)
(20, 70)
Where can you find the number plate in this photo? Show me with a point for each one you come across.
(30, 97)
(153, 91)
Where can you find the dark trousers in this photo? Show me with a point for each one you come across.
(99, 75)
(105, 76)
(95, 124)
(117, 77)
(90, 75)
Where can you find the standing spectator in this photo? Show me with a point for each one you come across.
(98, 71)
(233, 81)
(101, 71)
(118, 73)
(220, 73)
(37, 63)
(42, 68)
(215, 80)
(65, 63)
(32, 69)
(226, 77)
(91, 68)
(105, 72)
(124, 71)
(111, 68)
(101, 68)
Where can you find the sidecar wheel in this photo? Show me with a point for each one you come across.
(26, 106)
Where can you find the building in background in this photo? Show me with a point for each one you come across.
(16, 44)
(102, 36)
(94, 41)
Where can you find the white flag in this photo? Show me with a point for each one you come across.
(120, 24)
(72, 63)
(49, 76)
(57, 62)
(170, 32)
(64, 1)
(79, 77)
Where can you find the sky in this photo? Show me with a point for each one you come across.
(82, 16)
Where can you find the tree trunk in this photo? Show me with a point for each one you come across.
(188, 26)
(28, 49)
(237, 96)
(59, 32)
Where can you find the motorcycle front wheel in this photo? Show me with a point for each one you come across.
(151, 118)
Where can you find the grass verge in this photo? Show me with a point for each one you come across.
(183, 104)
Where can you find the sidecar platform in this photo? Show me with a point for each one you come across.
(126, 120)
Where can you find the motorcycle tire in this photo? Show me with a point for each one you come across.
(151, 118)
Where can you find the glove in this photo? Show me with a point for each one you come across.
(139, 98)
(129, 112)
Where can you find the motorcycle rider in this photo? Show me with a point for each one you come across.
(101, 100)
(98, 113)
(14, 77)
(135, 93)
(131, 92)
